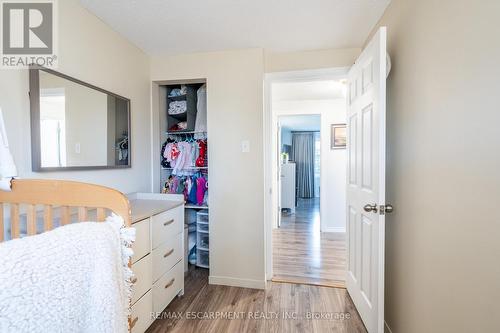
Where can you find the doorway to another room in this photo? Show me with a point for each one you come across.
(308, 236)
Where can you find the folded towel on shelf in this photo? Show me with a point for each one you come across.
(177, 107)
(178, 92)
(74, 278)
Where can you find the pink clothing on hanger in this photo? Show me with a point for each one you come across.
(201, 188)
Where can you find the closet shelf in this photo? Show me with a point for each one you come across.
(179, 116)
(195, 207)
(177, 98)
(202, 248)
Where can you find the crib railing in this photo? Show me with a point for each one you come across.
(57, 201)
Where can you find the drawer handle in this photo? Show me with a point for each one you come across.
(133, 322)
(170, 283)
(168, 253)
(134, 280)
(168, 222)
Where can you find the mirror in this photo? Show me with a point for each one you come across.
(76, 126)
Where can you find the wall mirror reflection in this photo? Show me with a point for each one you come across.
(76, 126)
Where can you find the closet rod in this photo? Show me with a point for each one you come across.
(187, 132)
(189, 169)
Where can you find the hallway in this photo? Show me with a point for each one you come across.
(302, 254)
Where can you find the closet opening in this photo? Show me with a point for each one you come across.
(306, 241)
(183, 163)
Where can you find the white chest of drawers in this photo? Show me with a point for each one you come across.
(158, 260)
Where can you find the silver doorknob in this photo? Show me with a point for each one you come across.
(386, 209)
(370, 208)
(389, 208)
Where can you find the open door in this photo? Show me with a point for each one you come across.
(366, 182)
(279, 175)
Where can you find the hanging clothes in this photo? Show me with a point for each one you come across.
(189, 185)
(200, 161)
(195, 152)
(200, 190)
(187, 158)
(164, 161)
(193, 187)
(122, 147)
(192, 194)
(183, 157)
(205, 198)
(200, 124)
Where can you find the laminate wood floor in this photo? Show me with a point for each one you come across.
(303, 254)
(282, 307)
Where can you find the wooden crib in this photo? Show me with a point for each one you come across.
(30, 195)
(61, 200)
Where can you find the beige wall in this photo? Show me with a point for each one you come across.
(234, 105)
(306, 60)
(443, 240)
(235, 113)
(92, 52)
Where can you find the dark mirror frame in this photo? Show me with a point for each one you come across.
(34, 93)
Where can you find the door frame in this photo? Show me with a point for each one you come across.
(336, 73)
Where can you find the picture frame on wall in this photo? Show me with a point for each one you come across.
(338, 136)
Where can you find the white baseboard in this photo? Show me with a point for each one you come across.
(387, 328)
(235, 282)
(334, 229)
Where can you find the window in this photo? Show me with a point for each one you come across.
(53, 127)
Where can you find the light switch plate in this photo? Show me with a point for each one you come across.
(245, 146)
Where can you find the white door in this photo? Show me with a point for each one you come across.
(366, 182)
(279, 175)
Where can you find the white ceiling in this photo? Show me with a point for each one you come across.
(301, 123)
(311, 90)
(181, 26)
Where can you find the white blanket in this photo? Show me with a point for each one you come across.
(72, 279)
